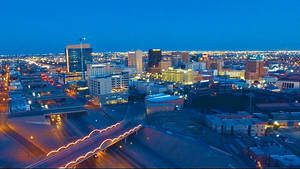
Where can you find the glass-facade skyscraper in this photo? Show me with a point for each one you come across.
(135, 60)
(154, 56)
(73, 57)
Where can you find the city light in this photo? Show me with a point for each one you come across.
(110, 141)
(83, 139)
(192, 84)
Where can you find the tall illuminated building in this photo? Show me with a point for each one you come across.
(204, 57)
(185, 57)
(139, 61)
(185, 77)
(98, 70)
(73, 57)
(135, 60)
(162, 65)
(131, 59)
(220, 65)
(176, 59)
(154, 56)
(254, 69)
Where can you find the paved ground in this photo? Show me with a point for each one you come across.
(159, 149)
(291, 139)
(188, 123)
(48, 137)
(176, 151)
(13, 153)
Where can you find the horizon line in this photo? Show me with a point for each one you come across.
(53, 53)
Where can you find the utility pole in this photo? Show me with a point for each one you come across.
(82, 60)
(250, 104)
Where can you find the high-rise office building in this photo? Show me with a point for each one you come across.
(176, 60)
(131, 59)
(110, 89)
(73, 57)
(139, 61)
(220, 65)
(254, 69)
(154, 56)
(135, 60)
(185, 77)
(204, 57)
(98, 70)
(185, 57)
(162, 65)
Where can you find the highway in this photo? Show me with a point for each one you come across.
(111, 158)
(114, 157)
(131, 153)
(34, 150)
(59, 110)
(62, 158)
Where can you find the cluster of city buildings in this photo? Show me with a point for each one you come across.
(109, 76)
(166, 80)
(163, 102)
(254, 137)
(18, 102)
(241, 123)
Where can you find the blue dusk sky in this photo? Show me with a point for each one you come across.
(43, 26)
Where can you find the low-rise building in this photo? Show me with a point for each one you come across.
(270, 79)
(151, 88)
(267, 155)
(290, 81)
(233, 73)
(287, 119)
(162, 102)
(64, 78)
(240, 123)
(18, 102)
(286, 161)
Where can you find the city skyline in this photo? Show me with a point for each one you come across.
(150, 84)
(131, 25)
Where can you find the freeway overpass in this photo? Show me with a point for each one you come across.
(74, 153)
(60, 110)
(50, 97)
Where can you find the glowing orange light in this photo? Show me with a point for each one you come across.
(111, 141)
(259, 165)
(82, 139)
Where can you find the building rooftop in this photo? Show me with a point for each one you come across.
(159, 104)
(256, 150)
(78, 46)
(255, 57)
(287, 160)
(161, 97)
(98, 65)
(295, 77)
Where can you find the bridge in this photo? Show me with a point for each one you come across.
(50, 97)
(53, 111)
(70, 155)
(64, 114)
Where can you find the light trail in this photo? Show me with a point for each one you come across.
(84, 138)
(110, 141)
